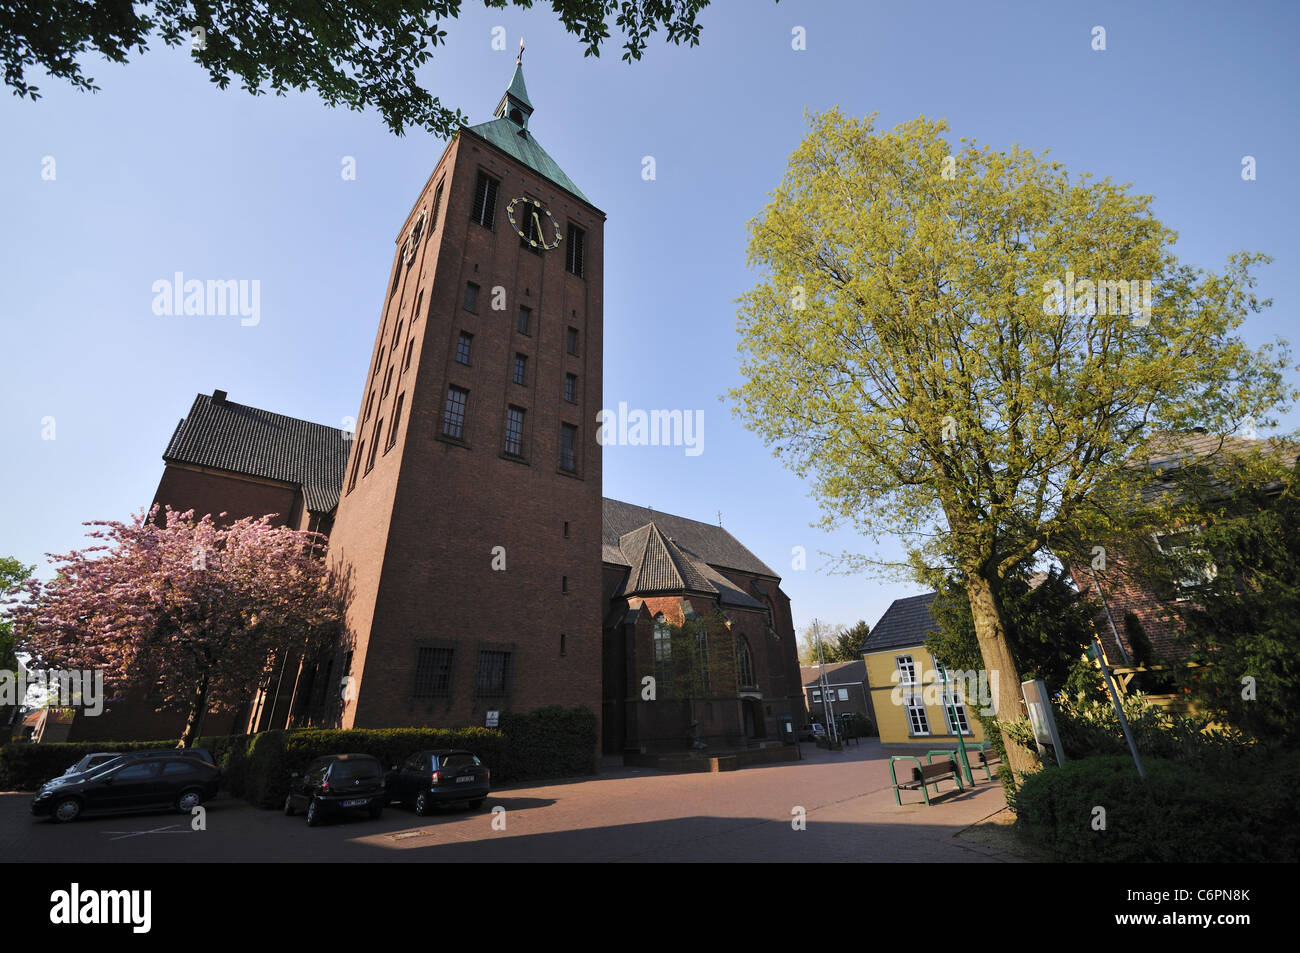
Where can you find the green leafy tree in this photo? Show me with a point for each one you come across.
(12, 575)
(814, 632)
(696, 662)
(1048, 625)
(847, 644)
(1241, 621)
(357, 55)
(912, 349)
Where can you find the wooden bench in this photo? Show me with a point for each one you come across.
(979, 754)
(923, 775)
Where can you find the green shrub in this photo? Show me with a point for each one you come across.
(25, 766)
(549, 742)
(1239, 805)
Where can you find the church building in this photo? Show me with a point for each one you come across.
(486, 571)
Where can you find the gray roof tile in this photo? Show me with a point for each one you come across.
(711, 544)
(241, 439)
(906, 622)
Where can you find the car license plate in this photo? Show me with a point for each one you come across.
(467, 777)
(356, 803)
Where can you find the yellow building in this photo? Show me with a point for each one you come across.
(906, 685)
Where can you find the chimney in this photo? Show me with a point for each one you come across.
(218, 396)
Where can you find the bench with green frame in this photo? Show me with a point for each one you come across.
(979, 754)
(923, 775)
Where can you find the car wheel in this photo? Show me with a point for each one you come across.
(313, 813)
(422, 805)
(188, 801)
(288, 805)
(476, 803)
(376, 811)
(69, 809)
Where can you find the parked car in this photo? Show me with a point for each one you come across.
(135, 782)
(335, 784)
(439, 776)
(103, 757)
(814, 732)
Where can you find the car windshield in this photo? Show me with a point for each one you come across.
(355, 770)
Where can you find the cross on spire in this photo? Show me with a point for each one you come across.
(519, 60)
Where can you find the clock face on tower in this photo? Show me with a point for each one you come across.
(534, 223)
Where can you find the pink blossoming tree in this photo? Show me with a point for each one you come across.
(185, 610)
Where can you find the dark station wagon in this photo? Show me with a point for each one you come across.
(336, 784)
(440, 776)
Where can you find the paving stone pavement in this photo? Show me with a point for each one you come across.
(625, 814)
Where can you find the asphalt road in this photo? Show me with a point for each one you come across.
(623, 815)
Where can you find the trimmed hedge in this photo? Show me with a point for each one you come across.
(551, 742)
(1242, 807)
(25, 766)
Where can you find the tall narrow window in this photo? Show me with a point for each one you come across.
(745, 663)
(397, 334)
(571, 341)
(453, 414)
(485, 200)
(525, 318)
(369, 406)
(356, 465)
(437, 203)
(569, 448)
(406, 360)
(663, 652)
(388, 382)
(462, 347)
(471, 297)
(397, 418)
(702, 660)
(570, 387)
(575, 250)
(515, 431)
(954, 704)
(374, 444)
(521, 368)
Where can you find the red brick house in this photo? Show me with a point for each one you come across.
(1109, 577)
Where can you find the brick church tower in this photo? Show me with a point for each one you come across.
(469, 525)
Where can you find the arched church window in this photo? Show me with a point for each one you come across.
(744, 662)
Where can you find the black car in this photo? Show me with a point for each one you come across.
(336, 784)
(135, 782)
(440, 776)
(103, 757)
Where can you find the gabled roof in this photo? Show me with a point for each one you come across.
(836, 673)
(710, 544)
(244, 440)
(657, 564)
(906, 622)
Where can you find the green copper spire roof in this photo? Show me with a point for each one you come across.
(509, 132)
(517, 88)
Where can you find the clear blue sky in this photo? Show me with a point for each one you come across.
(162, 172)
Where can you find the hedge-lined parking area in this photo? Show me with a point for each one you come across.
(550, 742)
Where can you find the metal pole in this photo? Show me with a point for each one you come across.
(948, 698)
(1119, 708)
(1106, 607)
(821, 680)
